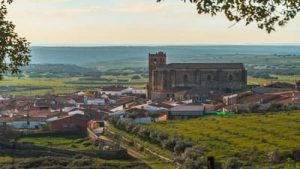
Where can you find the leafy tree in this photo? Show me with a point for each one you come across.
(266, 13)
(14, 50)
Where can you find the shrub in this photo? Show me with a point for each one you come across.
(144, 133)
(73, 146)
(153, 136)
(296, 155)
(82, 162)
(275, 156)
(162, 136)
(86, 143)
(193, 157)
(169, 144)
(136, 77)
(181, 145)
(80, 140)
(276, 107)
(135, 129)
(232, 163)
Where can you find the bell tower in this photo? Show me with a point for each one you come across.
(155, 60)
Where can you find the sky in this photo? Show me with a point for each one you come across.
(134, 22)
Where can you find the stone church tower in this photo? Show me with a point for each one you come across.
(155, 60)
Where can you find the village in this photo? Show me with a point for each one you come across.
(73, 112)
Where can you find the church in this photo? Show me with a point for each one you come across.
(182, 81)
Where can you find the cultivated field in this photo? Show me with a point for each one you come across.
(248, 137)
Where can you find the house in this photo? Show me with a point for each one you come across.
(23, 122)
(138, 91)
(186, 112)
(95, 101)
(97, 126)
(72, 123)
(69, 108)
(42, 104)
(230, 100)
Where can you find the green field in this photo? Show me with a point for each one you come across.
(280, 78)
(68, 142)
(40, 86)
(248, 137)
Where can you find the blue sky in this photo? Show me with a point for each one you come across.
(137, 22)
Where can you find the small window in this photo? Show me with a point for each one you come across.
(209, 77)
(185, 77)
(230, 78)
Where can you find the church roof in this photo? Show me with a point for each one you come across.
(203, 66)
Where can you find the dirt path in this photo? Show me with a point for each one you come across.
(150, 160)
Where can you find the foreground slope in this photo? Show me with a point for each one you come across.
(249, 137)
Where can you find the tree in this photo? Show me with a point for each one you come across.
(266, 13)
(14, 50)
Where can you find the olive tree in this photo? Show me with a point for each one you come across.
(14, 50)
(266, 13)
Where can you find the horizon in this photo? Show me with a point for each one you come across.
(157, 45)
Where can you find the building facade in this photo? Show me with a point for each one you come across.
(176, 80)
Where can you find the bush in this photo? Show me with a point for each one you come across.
(232, 163)
(153, 136)
(87, 143)
(296, 155)
(169, 144)
(276, 107)
(162, 136)
(135, 129)
(275, 156)
(144, 133)
(80, 140)
(136, 77)
(192, 158)
(181, 145)
(82, 162)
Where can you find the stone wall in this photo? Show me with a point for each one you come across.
(207, 79)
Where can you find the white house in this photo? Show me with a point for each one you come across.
(95, 101)
(68, 109)
(138, 91)
(23, 122)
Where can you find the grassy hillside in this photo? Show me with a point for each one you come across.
(42, 157)
(248, 137)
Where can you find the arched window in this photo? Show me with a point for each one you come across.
(185, 77)
(154, 61)
(209, 77)
(230, 78)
